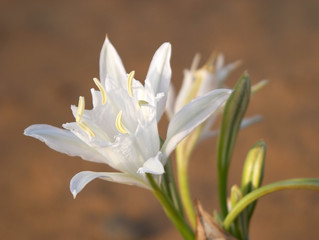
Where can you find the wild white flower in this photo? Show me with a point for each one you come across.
(121, 129)
(199, 81)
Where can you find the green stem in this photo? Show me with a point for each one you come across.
(171, 186)
(171, 212)
(299, 183)
(182, 158)
(183, 153)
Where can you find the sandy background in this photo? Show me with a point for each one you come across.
(48, 55)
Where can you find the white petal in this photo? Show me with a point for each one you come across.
(81, 179)
(111, 64)
(63, 141)
(159, 75)
(147, 138)
(208, 134)
(170, 102)
(186, 88)
(224, 72)
(129, 152)
(245, 123)
(220, 61)
(153, 166)
(96, 98)
(191, 116)
(125, 154)
(250, 121)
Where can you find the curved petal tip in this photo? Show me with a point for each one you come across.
(153, 166)
(74, 193)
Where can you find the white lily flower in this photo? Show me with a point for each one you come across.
(199, 81)
(121, 129)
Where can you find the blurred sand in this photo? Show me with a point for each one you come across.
(48, 55)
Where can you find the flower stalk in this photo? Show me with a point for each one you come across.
(171, 212)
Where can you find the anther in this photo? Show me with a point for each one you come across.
(80, 110)
(79, 115)
(142, 102)
(118, 122)
(86, 128)
(130, 83)
(102, 90)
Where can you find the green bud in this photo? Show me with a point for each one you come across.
(253, 171)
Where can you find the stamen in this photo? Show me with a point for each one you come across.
(130, 83)
(80, 111)
(142, 102)
(79, 115)
(118, 122)
(102, 90)
(86, 128)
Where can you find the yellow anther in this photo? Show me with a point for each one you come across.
(118, 122)
(80, 110)
(101, 88)
(130, 83)
(86, 128)
(79, 115)
(142, 102)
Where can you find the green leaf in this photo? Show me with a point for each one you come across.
(234, 111)
(299, 183)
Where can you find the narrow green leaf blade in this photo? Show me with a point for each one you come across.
(234, 112)
(299, 183)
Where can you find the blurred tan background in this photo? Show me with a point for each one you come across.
(49, 54)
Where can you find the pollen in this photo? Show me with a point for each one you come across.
(119, 124)
(130, 83)
(101, 88)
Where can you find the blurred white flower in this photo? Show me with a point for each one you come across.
(199, 81)
(121, 128)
